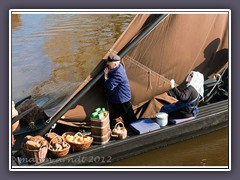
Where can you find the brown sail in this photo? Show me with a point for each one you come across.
(174, 46)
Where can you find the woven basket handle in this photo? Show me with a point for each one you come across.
(56, 137)
(78, 134)
(52, 138)
(119, 123)
(114, 135)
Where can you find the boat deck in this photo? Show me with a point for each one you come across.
(211, 117)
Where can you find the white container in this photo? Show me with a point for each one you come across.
(162, 118)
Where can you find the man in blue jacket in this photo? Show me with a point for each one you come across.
(118, 91)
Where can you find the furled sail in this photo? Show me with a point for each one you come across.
(174, 46)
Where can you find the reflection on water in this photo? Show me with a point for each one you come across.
(206, 150)
(16, 21)
(53, 53)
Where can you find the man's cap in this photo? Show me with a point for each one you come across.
(113, 58)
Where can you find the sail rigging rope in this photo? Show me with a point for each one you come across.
(145, 68)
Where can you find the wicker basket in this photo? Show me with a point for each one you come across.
(36, 156)
(119, 131)
(75, 146)
(60, 153)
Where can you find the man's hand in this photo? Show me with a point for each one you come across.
(106, 71)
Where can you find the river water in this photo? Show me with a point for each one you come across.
(53, 53)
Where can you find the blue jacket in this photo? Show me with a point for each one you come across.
(117, 85)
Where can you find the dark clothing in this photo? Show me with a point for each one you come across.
(124, 110)
(117, 86)
(185, 96)
(119, 96)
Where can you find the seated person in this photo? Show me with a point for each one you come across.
(188, 98)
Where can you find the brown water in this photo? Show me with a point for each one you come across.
(206, 150)
(52, 55)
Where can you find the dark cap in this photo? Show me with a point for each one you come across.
(113, 58)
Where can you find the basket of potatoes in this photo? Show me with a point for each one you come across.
(58, 147)
(78, 141)
(35, 149)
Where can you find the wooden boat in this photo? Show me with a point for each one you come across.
(154, 48)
